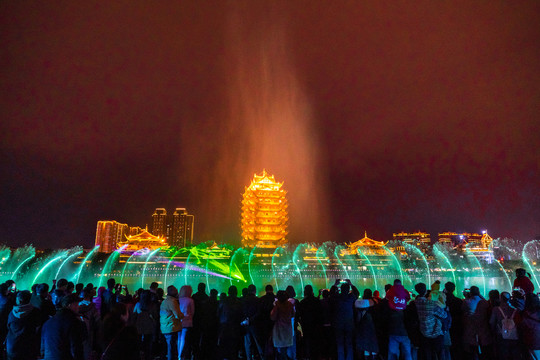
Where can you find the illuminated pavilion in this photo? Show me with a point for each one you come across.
(367, 246)
(264, 213)
(142, 241)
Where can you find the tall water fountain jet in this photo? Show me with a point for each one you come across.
(439, 253)
(472, 256)
(109, 264)
(531, 247)
(270, 121)
(296, 260)
(418, 253)
(250, 259)
(166, 276)
(322, 258)
(69, 257)
(84, 263)
(59, 256)
(5, 254)
(337, 250)
(146, 265)
(21, 257)
(278, 250)
(124, 269)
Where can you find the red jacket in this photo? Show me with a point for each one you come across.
(525, 283)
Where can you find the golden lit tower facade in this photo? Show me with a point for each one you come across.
(108, 234)
(264, 213)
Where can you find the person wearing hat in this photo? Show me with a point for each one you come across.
(366, 337)
(398, 340)
(63, 335)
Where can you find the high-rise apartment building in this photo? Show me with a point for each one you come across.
(159, 223)
(109, 233)
(182, 228)
(177, 228)
(264, 213)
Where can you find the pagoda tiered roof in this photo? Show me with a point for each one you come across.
(143, 240)
(264, 212)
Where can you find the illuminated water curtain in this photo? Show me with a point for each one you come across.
(367, 262)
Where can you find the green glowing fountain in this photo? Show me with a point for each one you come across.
(438, 251)
(84, 263)
(68, 258)
(146, 265)
(526, 258)
(418, 253)
(472, 256)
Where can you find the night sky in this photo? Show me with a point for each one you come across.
(378, 116)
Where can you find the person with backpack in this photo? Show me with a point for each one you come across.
(502, 322)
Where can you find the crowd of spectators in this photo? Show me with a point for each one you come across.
(69, 321)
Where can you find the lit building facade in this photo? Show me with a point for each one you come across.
(159, 223)
(141, 241)
(448, 238)
(368, 249)
(134, 230)
(414, 238)
(108, 234)
(182, 228)
(264, 213)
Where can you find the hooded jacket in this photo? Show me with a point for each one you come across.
(398, 297)
(62, 337)
(170, 316)
(22, 341)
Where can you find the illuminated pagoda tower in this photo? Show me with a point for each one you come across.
(264, 213)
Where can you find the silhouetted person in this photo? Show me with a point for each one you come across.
(120, 340)
(250, 319)
(200, 322)
(6, 305)
(309, 315)
(266, 324)
(456, 330)
(476, 330)
(522, 281)
(230, 317)
(108, 299)
(22, 341)
(282, 333)
(58, 293)
(63, 335)
(343, 320)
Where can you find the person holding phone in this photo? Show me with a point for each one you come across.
(343, 318)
